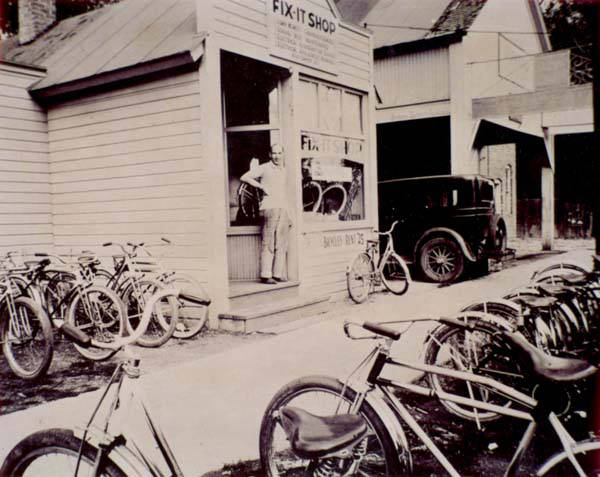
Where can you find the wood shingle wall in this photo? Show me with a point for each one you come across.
(25, 211)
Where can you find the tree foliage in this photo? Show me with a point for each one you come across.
(569, 23)
(9, 16)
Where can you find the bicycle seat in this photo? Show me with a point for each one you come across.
(556, 290)
(312, 436)
(551, 367)
(537, 301)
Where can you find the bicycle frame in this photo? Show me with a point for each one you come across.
(380, 358)
(108, 435)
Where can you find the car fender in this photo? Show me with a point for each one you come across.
(445, 231)
(123, 457)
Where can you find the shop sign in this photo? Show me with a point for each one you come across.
(321, 145)
(341, 240)
(302, 33)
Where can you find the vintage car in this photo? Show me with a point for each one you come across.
(445, 222)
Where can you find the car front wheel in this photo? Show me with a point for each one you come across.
(441, 260)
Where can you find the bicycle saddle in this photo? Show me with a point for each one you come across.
(312, 436)
(551, 367)
(576, 279)
(557, 290)
(537, 301)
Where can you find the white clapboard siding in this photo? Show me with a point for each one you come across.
(25, 212)
(324, 270)
(127, 165)
(245, 22)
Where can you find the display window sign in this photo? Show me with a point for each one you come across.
(332, 178)
(301, 32)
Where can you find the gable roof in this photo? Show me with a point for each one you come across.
(132, 33)
(410, 21)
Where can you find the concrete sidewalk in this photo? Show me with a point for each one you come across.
(210, 409)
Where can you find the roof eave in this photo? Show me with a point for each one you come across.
(115, 78)
(418, 45)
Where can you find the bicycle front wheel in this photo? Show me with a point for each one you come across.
(191, 317)
(324, 396)
(55, 452)
(164, 316)
(99, 313)
(27, 340)
(360, 277)
(395, 275)
(475, 351)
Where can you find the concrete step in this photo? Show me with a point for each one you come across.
(272, 313)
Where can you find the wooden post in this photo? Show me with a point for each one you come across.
(548, 207)
(212, 141)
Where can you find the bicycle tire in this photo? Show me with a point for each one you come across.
(28, 356)
(162, 322)
(382, 458)
(107, 323)
(487, 357)
(30, 457)
(395, 275)
(359, 278)
(191, 317)
(586, 452)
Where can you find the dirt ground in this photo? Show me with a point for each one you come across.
(71, 374)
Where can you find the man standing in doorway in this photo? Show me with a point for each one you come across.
(270, 177)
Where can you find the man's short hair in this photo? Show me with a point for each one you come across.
(276, 148)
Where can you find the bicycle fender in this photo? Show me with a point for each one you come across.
(466, 250)
(382, 408)
(502, 301)
(123, 457)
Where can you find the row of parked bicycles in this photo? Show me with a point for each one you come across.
(40, 292)
(519, 357)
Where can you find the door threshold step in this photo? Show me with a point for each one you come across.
(272, 313)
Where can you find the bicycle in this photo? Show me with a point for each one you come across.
(25, 331)
(67, 294)
(100, 448)
(137, 270)
(362, 274)
(358, 430)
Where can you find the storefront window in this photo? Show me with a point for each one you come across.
(308, 106)
(333, 154)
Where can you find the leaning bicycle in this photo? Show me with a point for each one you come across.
(100, 447)
(369, 268)
(320, 426)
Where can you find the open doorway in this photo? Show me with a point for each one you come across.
(251, 98)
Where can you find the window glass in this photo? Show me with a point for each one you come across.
(352, 116)
(308, 110)
(331, 110)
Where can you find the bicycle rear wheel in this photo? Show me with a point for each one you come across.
(359, 277)
(100, 313)
(191, 317)
(324, 396)
(27, 340)
(395, 275)
(55, 452)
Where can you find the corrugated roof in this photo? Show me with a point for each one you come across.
(410, 20)
(110, 39)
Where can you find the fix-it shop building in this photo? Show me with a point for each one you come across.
(135, 122)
